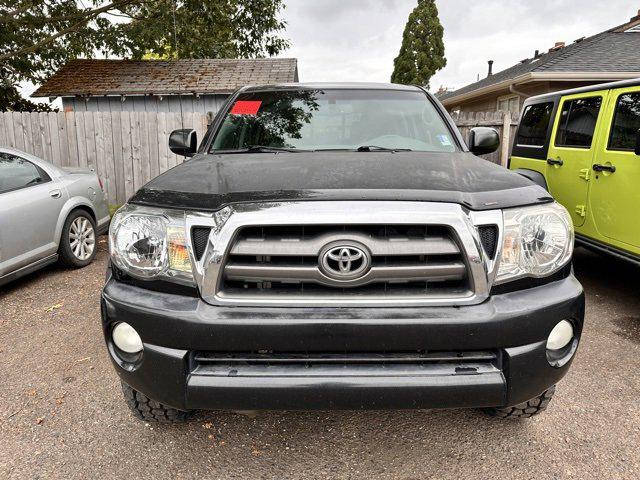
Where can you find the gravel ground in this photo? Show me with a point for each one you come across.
(62, 414)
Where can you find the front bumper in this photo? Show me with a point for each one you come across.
(191, 351)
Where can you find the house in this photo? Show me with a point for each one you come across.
(608, 56)
(185, 86)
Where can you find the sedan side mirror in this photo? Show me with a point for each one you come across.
(183, 142)
(483, 140)
(637, 149)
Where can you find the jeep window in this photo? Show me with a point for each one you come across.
(626, 123)
(578, 122)
(16, 173)
(338, 119)
(534, 125)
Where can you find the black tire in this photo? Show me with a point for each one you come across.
(66, 255)
(525, 409)
(149, 410)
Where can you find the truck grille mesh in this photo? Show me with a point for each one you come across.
(412, 261)
(489, 239)
(199, 240)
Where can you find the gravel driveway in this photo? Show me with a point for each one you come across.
(62, 413)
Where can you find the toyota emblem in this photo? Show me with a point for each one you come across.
(344, 261)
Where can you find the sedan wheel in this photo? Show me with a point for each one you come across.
(82, 238)
(78, 243)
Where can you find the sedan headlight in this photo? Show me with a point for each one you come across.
(150, 243)
(538, 241)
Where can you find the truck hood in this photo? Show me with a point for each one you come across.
(210, 182)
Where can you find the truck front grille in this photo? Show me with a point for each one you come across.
(406, 261)
(344, 254)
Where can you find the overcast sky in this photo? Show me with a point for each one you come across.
(357, 40)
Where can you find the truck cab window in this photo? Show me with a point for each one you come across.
(578, 122)
(626, 122)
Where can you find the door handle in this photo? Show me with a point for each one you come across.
(597, 167)
(553, 161)
(55, 193)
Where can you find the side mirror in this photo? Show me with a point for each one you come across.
(483, 140)
(183, 142)
(637, 149)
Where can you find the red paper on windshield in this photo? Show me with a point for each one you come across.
(246, 107)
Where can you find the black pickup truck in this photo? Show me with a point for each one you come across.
(339, 246)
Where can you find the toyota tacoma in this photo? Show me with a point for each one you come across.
(339, 246)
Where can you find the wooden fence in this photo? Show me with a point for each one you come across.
(126, 149)
(504, 122)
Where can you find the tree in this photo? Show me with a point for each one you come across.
(422, 50)
(37, 37)
(205, 28)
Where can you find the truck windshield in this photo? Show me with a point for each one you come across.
(338, 119)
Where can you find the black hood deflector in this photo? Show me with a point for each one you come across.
(210, 182)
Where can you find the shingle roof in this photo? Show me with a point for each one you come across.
(610, 51)
(136, 77)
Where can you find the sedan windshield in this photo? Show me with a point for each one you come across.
(338, 119)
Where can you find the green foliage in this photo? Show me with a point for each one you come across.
(37, 37)
(113, 208)
(422, 50)
(205, 28)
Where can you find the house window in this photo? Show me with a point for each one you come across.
(578, 122)
(509, 103)
(626, 123)
(534, 125)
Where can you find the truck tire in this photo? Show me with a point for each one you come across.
(525, 409)
(78, 241)
(149, 410)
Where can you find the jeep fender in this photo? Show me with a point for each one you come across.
(535, 177)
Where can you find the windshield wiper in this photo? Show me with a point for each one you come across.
(375, 148)
(260, 149)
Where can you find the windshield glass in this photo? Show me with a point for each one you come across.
(334, 119)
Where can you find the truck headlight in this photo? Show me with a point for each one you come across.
(538, 241)
(149, 243)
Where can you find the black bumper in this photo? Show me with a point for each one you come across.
(491, 354)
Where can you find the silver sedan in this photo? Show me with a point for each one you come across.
(47, 214)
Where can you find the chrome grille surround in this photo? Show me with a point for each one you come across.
(226, 223)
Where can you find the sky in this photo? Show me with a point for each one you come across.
(357, 40)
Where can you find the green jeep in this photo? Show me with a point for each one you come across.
(583, 146)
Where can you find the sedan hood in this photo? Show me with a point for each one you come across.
(210, 182)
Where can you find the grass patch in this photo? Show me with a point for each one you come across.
(113, 208)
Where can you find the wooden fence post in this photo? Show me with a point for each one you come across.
(506, 139)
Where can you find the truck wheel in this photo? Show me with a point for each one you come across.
(150, 410)
(78, 240)
(524, 409)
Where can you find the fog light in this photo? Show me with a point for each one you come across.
(126, 338)
(560, 336)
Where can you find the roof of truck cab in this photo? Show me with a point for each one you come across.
(591, 88)
(333, 86)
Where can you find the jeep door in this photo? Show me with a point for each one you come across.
(614, 198)
(572, 149)
(30, 204)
